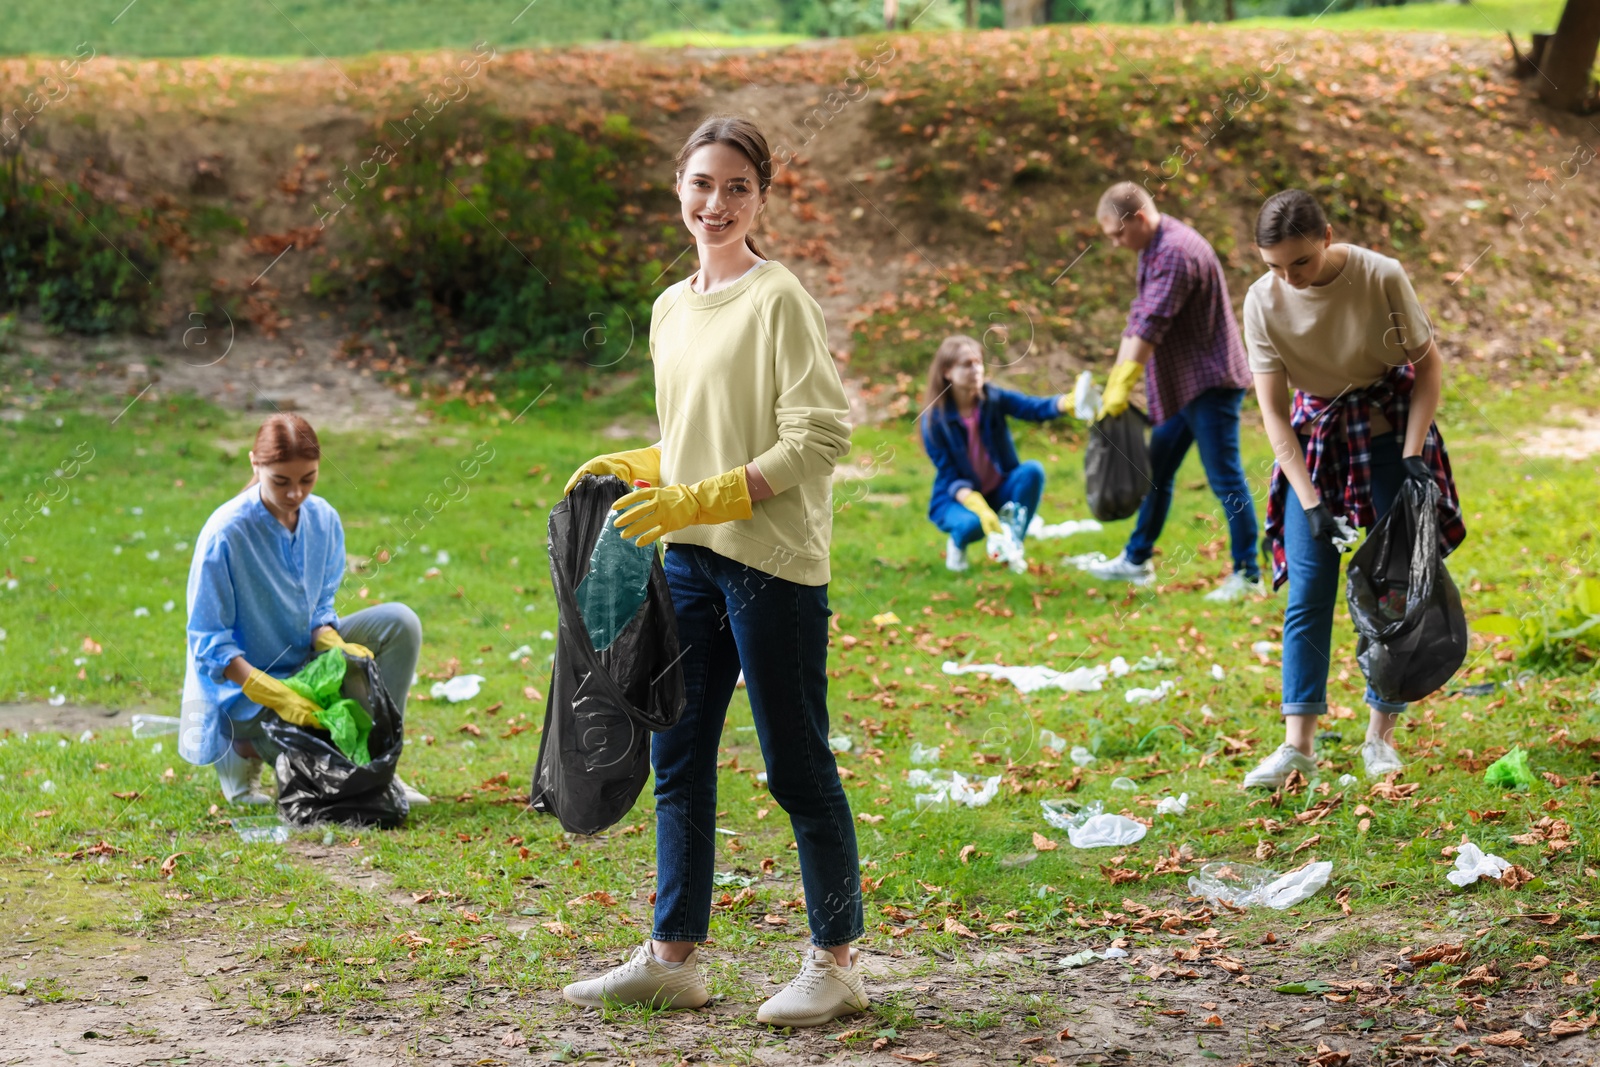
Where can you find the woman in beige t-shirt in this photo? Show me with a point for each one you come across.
(1342, 326)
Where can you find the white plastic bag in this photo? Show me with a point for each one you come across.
(1244, 886)
(1030, 679)
(1085, 397)
(1081, 756)
(1149, 696)
(1473, 863)
(1040, 530)
(461, 687)
(1106, 831)
(952, 787)
(1173, 805)
(155, 725)
(1050, 742)
(921, 753)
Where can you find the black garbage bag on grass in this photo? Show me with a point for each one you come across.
(1116, 465)
(594, 753)
(1412, 630)
(318, 783)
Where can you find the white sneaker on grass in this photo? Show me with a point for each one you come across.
(1236, 586)
(1380, 758)
(1273, 771)
(646, 980)
(1120, 570)
(955, 556)
(820, 993)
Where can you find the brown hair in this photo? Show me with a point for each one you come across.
(1123, 200)
(1291, 213)
(281, 439)
(950, 349)
(738, 132)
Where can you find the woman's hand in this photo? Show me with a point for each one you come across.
(328, 637)
(267, 691)
(973, 501)
(1417, 470)
(1320, 521)
(648, 514)
(639, 465)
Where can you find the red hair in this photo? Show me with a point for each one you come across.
(283, 438)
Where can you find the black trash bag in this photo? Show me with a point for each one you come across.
(594, 754)
(318, 783)
(1116, 465)
(1412, 631)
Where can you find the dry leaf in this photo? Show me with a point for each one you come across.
(953, 926)
(599, 896)
(967, 851)
(1507, 1039)
(169, 866)
(915, 1057)
(1043, 843)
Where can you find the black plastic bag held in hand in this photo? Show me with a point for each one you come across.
(1116, 465)
(1407, 611)
(594, 754)
(318, 783)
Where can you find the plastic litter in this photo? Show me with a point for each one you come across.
(261, 829)
(1244, 886)
(347, 722)
(1127, 785)
(1081, 756)
(1089, 955)
(1345, 536)
(952, 787)
(1091, 827)
(888, 618)
(1263, 648)
(1510, 771)
(1030, 679)
(1040, 530)
(1216, 671)
(1473, 863)
(1347, 780)
(1085, 397)
(1177, 805)
(1118, 667)
(923, 754)
(1154, 663)
(1006, 546)
(615, 587)
(461, 687)
(522, 650)
(840, 743)
(1116, 465)
(1084, 560)
(1149, 696)
(155, 725)
(1048, 740)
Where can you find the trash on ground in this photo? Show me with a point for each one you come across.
(1081, 756)
(888, 618)
(1473, 863)
(1157, 662)
(1091, 826)
(1149, 696)
(840, 743)
(923, 754)
(1347, 780)
(155, 725)
(461, 687)
(1242, 886)
(1127, 785)
(522, 650)
(947, 787)
(1262, 648)
(1084, 561)
(1040, 530)
(1048, 740)
(1510, 771)
(1173, 805)
(1217, 672)
(1089, 955)
(261, 829)
(1032, 678)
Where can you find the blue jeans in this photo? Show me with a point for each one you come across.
(732, 616)
(1210, 420)
(1023, 486)
(1314, 568)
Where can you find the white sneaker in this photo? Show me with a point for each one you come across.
(1274, 770)
(955, 556)
(1380, 758)
(1120, 570)
(643, 980)
(820, 993)
(1236, 586)
(413, 795)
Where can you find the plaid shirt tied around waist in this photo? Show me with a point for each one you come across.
(1338, 454)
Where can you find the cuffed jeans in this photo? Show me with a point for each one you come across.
(1023, 486)
(732, 616)
(1210, 420)
(1314, 571)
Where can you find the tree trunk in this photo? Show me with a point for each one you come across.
(1178, 13)
(1022, 13)
(1229, 12)
(972, 14)
(1567, 64)
(891, 10)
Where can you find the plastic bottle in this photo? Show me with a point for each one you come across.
(154, 725)
(618, 581)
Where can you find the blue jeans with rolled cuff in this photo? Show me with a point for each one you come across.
(1023, 486)
(1314, 572)
(731, 616)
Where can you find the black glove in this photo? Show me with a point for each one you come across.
(1320, 520)
(1417, 470)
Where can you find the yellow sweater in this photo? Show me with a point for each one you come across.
(744, 374)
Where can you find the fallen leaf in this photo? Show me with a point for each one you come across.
(775, 920)
(134, 795)
(1515, 877)
(953, 926)
(967, 851)
(513, 1039)
(1538, 963)
(169, 866)
(599, 896)
(1573, 1027)
(557, 927)
(1507, 1039)
(915, 1057)
(1043, 843)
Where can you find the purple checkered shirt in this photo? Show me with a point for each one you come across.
(1184, 311)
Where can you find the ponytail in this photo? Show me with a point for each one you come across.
(282, 438)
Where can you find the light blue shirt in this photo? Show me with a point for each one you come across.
(258, 591)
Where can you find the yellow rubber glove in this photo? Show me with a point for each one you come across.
(329, 638)
(640, 465)
(647, 514)
(973, 501)
(267, 691)
(1118, 388)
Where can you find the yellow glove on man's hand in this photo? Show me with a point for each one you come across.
(649, 513)
(1119, 387)
(640, 465)
(329, 638)
(973, 501)
(267, 691)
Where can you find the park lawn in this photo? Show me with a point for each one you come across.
(1497, 17)
(491, 892)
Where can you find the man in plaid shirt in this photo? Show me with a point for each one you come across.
(1181, 333)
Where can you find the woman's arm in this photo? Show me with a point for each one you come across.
(237, 670)
(757, 485)
(1425, 394)
(1272, 392)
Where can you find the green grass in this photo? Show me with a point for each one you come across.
(1520, 17)
(498, 872)
(712, 39)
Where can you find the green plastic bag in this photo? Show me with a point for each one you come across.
(1510, 771)
(346, 721)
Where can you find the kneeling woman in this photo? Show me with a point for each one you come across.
(976, 470)
(261, 586)
(1341, 324)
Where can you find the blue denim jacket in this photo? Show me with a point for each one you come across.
(945, 438)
